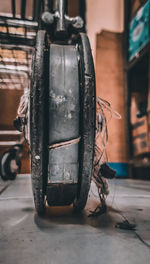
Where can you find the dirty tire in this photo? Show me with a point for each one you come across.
(38, 123)
(87, 121)
(64, 113)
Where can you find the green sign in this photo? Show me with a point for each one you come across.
(139, 30)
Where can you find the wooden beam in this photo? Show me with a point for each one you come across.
(10, 132)
(8, 143)
(12, 60)
(16, 47)
(9, 81)
(12, 86)
(18, 23)
(17, 39)
(13, 67)
(9, 71)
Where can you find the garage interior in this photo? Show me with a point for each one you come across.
(119, 33)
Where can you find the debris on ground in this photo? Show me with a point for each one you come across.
(126, 225)
(100, 209)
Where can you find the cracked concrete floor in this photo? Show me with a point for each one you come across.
(62, 237)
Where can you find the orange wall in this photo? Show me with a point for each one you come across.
(103, 14)
(110, 86)
(104, 28)
(6, 6)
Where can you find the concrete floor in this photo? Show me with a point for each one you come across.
(64, 238)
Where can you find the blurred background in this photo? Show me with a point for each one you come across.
(113, 232)
(119, 32)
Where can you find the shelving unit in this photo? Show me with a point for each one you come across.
(19, 22)
(137, 82)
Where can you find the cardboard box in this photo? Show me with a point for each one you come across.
(140, 137)
(140, 129)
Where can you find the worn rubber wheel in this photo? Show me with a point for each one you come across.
(64, 113)
(38, 123)
(87, 121)
(5, 166)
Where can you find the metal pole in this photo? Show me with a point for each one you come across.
(23, 9)
(60, 7)
(46, 5)
(82, 11)
(36, 9)
(13, 7)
